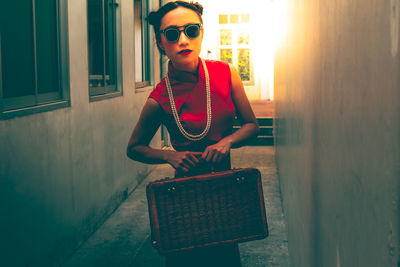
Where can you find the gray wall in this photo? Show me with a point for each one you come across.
(337, 94)
(63, 172)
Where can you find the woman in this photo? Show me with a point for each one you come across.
(197, 101)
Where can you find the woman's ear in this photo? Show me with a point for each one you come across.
(202, 33)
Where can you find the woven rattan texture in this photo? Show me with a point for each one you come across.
(211, 211)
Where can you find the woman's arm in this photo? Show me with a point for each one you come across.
(138, 146)
(249, 126)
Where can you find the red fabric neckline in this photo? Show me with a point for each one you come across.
(184, 76)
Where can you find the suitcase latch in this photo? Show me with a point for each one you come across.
(240, 180)
(171, 188)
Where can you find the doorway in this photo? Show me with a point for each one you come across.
(245, 34)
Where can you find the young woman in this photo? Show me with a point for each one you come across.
(197, 101)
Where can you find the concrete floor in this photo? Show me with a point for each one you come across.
(124, 239)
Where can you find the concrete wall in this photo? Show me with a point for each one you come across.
(337, 94)
(63, 172)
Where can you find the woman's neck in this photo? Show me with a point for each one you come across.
(189, 67)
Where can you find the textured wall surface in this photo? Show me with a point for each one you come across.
(63, 172)
(337, 93)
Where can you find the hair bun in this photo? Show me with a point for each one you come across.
(199, 7)
(153, 18)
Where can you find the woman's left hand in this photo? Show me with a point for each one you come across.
(215, 153)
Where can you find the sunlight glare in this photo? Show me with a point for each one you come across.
(268, 31)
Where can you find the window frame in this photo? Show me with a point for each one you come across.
(147, 78)
(105, 92)
(42, 102)
(235, 28)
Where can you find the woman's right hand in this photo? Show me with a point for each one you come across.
(183, 161)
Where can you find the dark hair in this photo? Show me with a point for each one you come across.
(155, 17)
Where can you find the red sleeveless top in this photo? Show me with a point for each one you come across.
(189, 92)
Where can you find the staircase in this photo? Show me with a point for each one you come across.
(266, 136)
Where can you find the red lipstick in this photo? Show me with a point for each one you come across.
(185, 52)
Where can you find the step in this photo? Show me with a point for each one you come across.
(266, 135)
(264, 130)
(262, 121)
(261, 141)
(265, 121)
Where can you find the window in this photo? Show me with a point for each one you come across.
(104, 48)
(142, 44)
(33, 56)
(234, 44)
(223, 19)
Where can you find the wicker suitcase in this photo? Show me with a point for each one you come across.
(203, 210)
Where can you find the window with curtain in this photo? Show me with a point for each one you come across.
(104, 47)
(142, 44)
(33, 56)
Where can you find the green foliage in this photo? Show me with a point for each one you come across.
(226, 55)
(244, 64)
(226, 37)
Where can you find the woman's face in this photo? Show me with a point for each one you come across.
(185, 52)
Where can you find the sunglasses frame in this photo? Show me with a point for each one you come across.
(199, 25)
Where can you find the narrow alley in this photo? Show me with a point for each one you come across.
(124, 239)
(322, 76)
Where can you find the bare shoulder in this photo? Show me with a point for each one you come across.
(151, 107)
(235, 75)
(237, 84)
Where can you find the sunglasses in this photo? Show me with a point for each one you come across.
(173, 33)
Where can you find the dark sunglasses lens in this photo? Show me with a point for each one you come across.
(192, 31)
(172, 35)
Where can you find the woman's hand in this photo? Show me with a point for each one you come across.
(215, 153)
(183, 161)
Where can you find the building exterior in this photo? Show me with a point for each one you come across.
(74, 76)
(337, 102)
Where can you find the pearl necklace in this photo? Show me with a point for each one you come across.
(175, 113)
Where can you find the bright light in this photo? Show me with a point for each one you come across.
(268, 31)
(280, 22)
(272, 20)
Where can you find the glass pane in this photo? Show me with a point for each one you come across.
(109, 11)
(235, 18)
(244, 63)
(96, 81)
(226, 55)
(223, 19)
(138, 40)
(17, 51)
(243, 37)
(245, 18)
(95, 43)
(226, 37)
(145, 44)
(46, 46)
